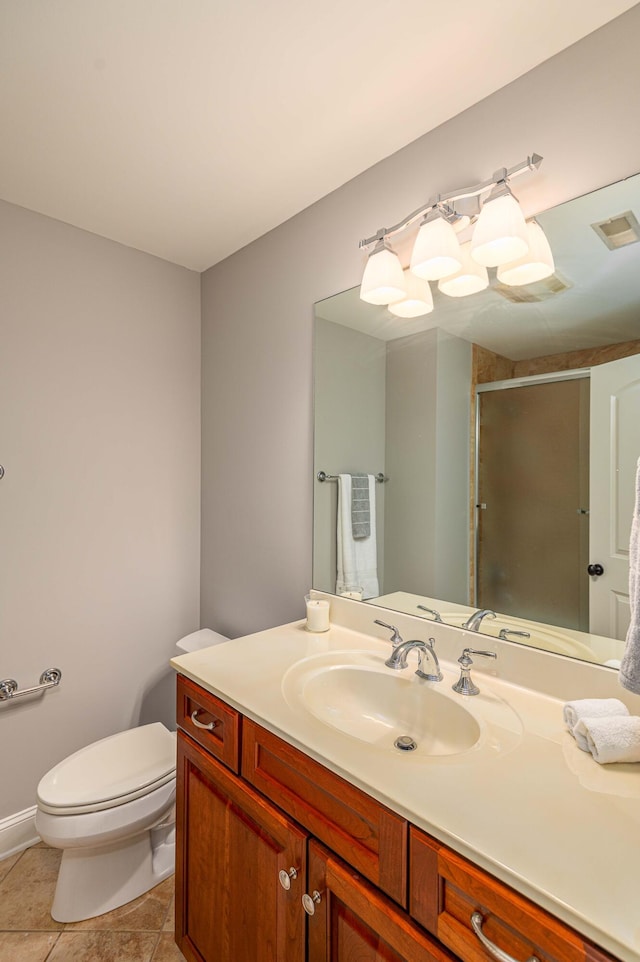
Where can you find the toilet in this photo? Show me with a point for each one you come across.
(110, 807)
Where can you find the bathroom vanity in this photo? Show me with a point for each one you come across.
(304, 834)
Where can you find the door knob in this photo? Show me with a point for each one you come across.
(309, 902)
(285, 877)
(595, 570)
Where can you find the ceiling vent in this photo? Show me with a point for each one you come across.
(533, 293)
(618, 231)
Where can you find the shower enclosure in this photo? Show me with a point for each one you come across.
(532, 499)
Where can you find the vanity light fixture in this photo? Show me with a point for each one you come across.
(536, 264)
(383, 280)
(418, 299)
(436, 252)
(471, 278)
(500, 234)
(500, 237)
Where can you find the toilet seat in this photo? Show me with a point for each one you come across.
(110, 772)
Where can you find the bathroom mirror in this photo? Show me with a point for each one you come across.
(493, 421)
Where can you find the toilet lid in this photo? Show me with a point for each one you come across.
(111, 769)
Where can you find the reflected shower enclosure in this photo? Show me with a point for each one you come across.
(532, 505)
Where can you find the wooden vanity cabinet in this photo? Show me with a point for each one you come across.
(376, 889)
(231, 845)
(354, 922)
(508, 920)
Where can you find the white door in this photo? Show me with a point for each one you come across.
(615, 449)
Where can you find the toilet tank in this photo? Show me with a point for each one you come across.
(204, 638)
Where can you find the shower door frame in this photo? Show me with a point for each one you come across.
(484, 388)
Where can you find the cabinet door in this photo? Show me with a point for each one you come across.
(231, 846)
(354, 922)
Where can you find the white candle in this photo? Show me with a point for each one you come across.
(317, 614)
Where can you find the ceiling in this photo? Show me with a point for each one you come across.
(187, 129)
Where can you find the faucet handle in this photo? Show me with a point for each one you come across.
(466, 661)
(431, 611)
(396, 637)
(464, 684)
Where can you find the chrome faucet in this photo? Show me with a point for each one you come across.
(475, 620)
(431, 611)
(396, 637)
(398, 658)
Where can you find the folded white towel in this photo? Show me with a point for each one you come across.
(590, 708)
(615, 738)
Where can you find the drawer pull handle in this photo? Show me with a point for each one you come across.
(199, 724)
(309, 902)
(285, 877)
(476, 925)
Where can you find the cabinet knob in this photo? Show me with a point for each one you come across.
(194, 718)
(309, 902)
(285, 877)
(492, 949)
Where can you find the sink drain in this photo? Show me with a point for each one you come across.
(405, 743)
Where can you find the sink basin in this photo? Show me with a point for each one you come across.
(357, 695)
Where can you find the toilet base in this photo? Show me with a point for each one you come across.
(92, 881)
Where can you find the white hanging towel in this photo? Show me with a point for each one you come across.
(629, 674)
(357, 560)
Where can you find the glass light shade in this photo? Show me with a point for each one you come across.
(534, 266)
(470, 279)
(436, 252)
(500, 234)
(418, 301)
(383, 278)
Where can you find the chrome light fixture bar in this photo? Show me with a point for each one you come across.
(501, 238)
(445, 200)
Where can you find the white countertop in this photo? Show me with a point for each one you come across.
(541, 815)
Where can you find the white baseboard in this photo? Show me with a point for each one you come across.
(18, 832)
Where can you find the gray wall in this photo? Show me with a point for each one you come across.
(349, 403)
(578, 110)
(99, 506)
(426, 507)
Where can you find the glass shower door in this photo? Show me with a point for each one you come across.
(532, 505)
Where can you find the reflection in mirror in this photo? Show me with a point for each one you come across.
(506, 429)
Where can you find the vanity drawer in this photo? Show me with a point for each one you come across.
(198, 709)
(357, 827)
(446, 890)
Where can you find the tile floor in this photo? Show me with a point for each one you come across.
(141, 931)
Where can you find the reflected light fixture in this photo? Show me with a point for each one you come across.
(536, 264)
(471, 278)
(383, 279)
(436, 252)
(417, 301)
(500, 235)
(500, 238)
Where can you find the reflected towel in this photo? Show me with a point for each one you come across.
(360, 510)
(575, 711)
(357, 560)
(612, 739)
(629, 674)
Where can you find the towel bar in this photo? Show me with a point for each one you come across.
(48, 679)
(323, 476)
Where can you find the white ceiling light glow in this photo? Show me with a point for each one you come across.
(536, 264)
(436, 252)
(500, 235)
(418, 300)
(500, 238)
(383, 279)
(471, 278)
